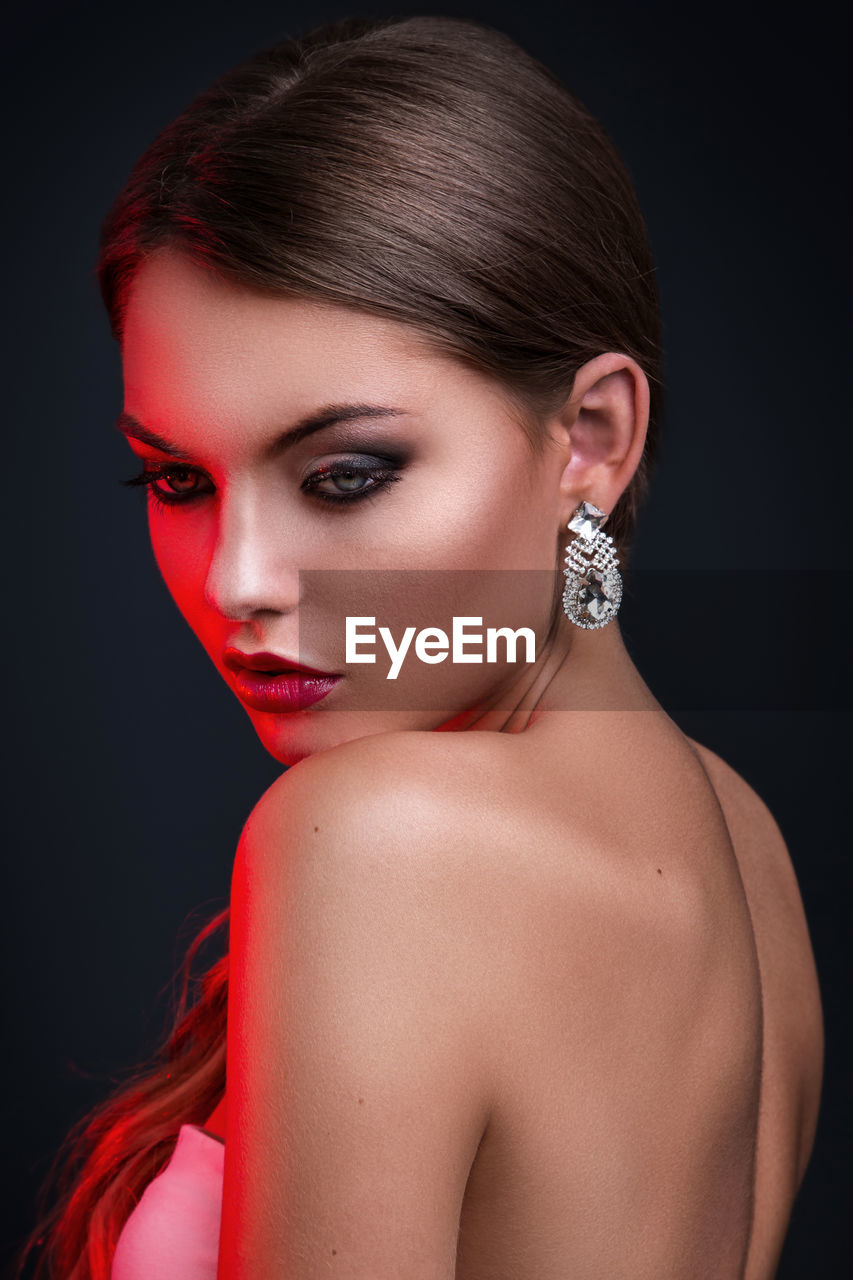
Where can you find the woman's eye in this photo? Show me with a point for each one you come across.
(343, 482)
(346, 482)
(182, 484)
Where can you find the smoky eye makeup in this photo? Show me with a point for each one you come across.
(351, 469)
(334, 478)
(349, 479)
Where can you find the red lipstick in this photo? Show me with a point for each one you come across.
(268, 682)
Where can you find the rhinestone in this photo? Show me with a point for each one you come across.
(586, 520)
(596, 594)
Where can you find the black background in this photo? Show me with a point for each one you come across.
(131, 767)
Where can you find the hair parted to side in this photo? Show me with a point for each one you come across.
(425, 170)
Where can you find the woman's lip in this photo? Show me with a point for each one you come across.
(290, 691)
(270, 663)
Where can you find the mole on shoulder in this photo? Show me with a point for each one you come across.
(659, 871)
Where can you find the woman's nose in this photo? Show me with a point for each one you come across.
(250, 570)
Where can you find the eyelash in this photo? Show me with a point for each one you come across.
(382, 477)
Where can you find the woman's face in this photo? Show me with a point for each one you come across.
(271, 542)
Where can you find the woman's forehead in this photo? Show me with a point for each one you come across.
(192, 333)
(201, 348)
(174, 299)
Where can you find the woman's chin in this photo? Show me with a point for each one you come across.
(291, 736)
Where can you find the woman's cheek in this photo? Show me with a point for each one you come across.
(182, 548)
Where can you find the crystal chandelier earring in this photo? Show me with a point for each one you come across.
(593, 590)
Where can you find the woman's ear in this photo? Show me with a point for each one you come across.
(603, 427)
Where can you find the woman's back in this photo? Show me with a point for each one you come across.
(628, 1139)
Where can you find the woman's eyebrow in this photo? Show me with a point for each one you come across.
(128, 425)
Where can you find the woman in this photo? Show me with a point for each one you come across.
(532, 998)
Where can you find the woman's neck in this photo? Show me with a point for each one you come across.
(578, 671)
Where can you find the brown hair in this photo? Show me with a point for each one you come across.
(426, 170)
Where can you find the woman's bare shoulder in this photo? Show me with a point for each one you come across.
(736, 790)
(394, 780)
(359, 1006)
(760, 846)
(378, 826)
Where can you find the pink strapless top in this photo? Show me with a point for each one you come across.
(173, 1232)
